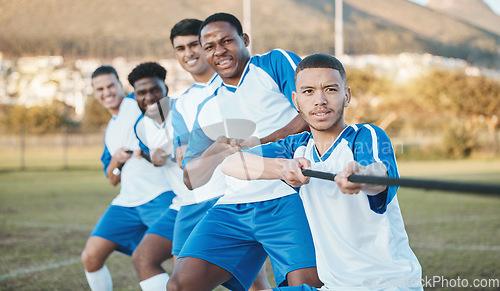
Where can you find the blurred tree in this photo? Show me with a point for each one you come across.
(474, 101)
(96, 116)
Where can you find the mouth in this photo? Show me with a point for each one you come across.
(224, 63)
(150, 108)
(321, 114)
(191, 62)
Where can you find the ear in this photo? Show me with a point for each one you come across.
(166, 89)
(294, 100)
(347, 96)
(246, 39)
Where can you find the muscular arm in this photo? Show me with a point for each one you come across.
(246, 166)
(120, 157)
(198, 171)
(296, 125)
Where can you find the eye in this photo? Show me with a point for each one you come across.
(208, 47)
(307, 91)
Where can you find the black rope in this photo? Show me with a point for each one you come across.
(486, 189)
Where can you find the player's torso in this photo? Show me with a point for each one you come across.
(140, 181)
(353, 243)
(257, 99)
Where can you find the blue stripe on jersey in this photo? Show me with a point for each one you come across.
(280, 65)
(198, 142)
(143, 147)
(181, 131)
(105, 159)
(371, 145)
(131, 95)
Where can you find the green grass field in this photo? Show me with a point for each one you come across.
(46, 216)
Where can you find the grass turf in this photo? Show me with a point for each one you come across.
(46, 216)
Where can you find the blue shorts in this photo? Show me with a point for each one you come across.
(126, 226)
(187, 218)
(239, 237)
(164, 226)
(302, 287)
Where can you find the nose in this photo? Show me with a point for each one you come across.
(188, 52)
(219, 49)
(107, 92)
(320, 98)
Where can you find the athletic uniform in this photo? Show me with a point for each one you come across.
(204, 197)
(253, 218)
(144, 191)
(360, 240)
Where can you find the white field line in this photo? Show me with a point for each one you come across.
(39, 268)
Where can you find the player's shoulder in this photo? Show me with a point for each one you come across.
(367, 131)
(275, 56)
(366, 128)
(295, 141)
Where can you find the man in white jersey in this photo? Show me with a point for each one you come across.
(232, 241)
(144, 193)
(154, 132)
(360, 240)
(184, 38)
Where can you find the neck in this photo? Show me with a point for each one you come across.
(323, 139)
(114, 111)
(235, 80)
(203, 77)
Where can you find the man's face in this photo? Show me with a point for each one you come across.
(189, 54)
(225, 51)
(321, 97)
(108, 91)
(148, 93)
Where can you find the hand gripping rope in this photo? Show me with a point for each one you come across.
(486, 189)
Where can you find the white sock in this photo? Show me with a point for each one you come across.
(155, 283)
(100, 280)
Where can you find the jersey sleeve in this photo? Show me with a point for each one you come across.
(197, 144)
(181, 131)
(372, 145)
(281, 149)
(280, 65)
(141, 135)
(105, 159)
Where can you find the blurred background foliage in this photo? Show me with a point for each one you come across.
(461, 110)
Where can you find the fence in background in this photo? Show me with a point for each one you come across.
(67, 148)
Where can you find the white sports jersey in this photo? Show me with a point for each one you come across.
(259, 105)
(140, 181)
(360, 240)
(183, 118)
(151, 136)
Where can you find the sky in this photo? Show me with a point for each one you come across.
(494, 4)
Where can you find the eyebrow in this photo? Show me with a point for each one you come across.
(328, 85)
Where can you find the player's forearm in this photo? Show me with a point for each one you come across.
(112, 178)
(246, 166)
(198, 171)
(296, 125)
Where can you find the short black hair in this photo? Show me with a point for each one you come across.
(321, 61)
(221, 16)
(144, 70)
(188, 26)
(105, 70)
